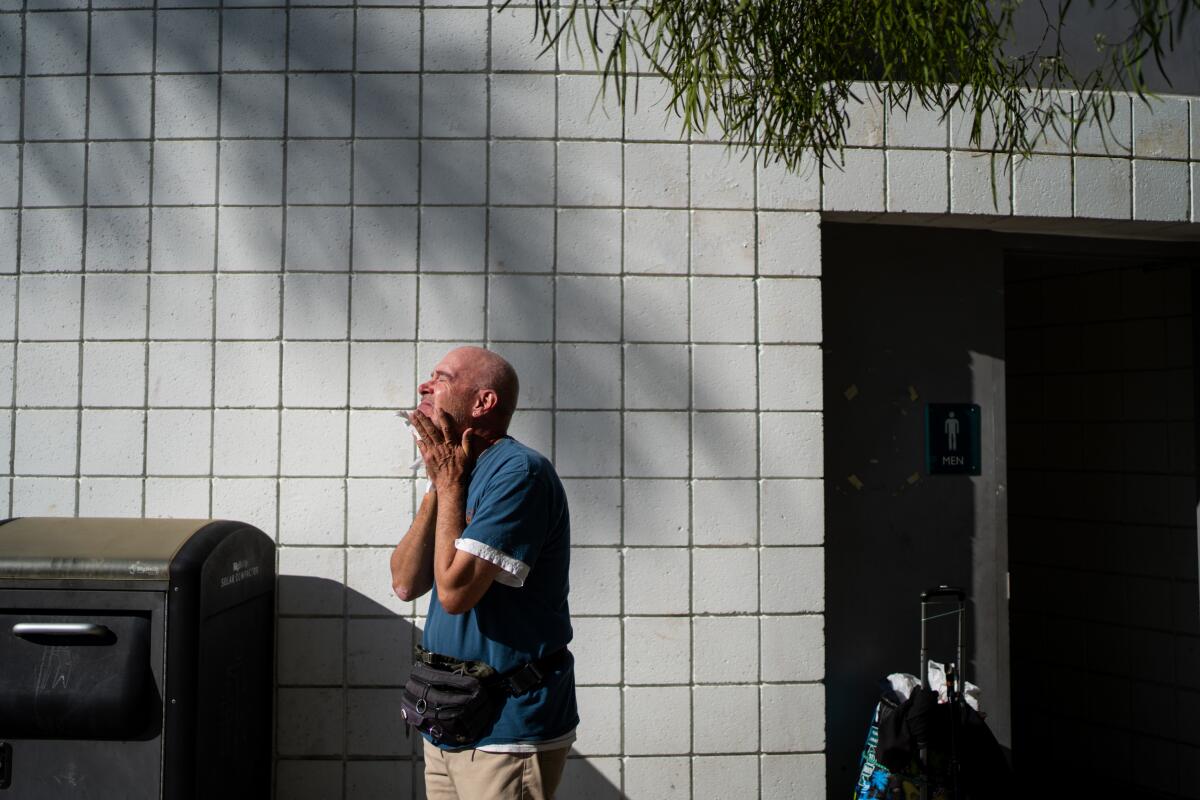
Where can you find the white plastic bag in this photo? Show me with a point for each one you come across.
(937, 682)
(902, 684)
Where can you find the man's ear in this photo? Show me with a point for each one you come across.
(485, 401)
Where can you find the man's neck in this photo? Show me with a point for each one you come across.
(488, 437)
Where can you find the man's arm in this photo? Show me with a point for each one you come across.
(462, 578)
(412, 560)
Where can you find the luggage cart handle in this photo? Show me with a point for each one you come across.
(955, 685)
(28, 629)
(944, 591)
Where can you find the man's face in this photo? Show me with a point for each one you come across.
(450, 389)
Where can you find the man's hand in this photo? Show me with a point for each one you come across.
(461, 578)
(449, 456)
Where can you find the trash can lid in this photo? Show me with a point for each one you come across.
(109, 549)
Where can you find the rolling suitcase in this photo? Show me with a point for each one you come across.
(922, 749)
(954, 688)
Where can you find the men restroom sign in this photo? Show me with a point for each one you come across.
(952, 439)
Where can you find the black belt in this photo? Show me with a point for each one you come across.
(516, 682)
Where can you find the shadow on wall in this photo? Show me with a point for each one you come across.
(239, 148)
(315, 171)
(338, 732)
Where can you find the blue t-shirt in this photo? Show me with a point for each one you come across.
(516, 518)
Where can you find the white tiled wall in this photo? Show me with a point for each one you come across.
(235, 239)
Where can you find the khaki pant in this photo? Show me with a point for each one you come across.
(477, 775)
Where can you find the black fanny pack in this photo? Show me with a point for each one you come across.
(457, 702)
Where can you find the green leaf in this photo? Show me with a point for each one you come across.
(777, 75)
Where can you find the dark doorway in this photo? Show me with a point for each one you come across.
(1079, 354)
(1102, 518)
(912, 316)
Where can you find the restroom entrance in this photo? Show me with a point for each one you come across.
(1104, 614)
(1077, 354)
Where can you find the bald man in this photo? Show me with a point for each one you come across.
(492, 539)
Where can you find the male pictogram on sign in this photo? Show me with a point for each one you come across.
(952, 439)
(951, 427)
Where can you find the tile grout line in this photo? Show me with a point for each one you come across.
(84, 278)
(442, 205)
(250, 475)
(691, 467)
(351, 280)
(417, 495)
(279, 338)
(758, 480)
(623, 595)
(1193, 134)
(17, 283)
(153, 216)
(487, 182)
(554, 271)
(1073, 155)
(212, 355)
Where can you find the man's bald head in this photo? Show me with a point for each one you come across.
(476, 387)
(488, 370)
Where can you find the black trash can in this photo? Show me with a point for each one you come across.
(136, 659)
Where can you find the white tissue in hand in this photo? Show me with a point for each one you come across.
(418, 465)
